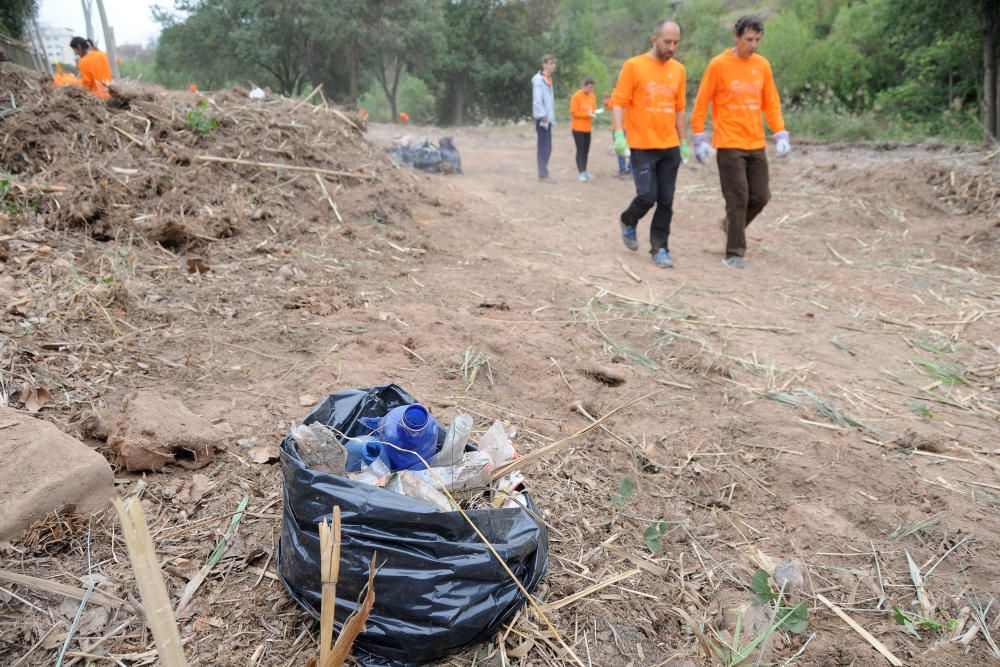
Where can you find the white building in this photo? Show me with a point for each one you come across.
(55, 41)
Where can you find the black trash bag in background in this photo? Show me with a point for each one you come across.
(440, 589)
(425, 156)
(450, 154)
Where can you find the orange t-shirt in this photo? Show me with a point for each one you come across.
(65, 79)
(652, 92)
(581, 105)
(95, 73)
(738, 89)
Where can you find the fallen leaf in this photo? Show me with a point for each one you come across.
(194, 490)
(34, 398)
(183, 567)
(93, 620)
(196, 265)
(521, 650)
(264, 454)
(319, 308)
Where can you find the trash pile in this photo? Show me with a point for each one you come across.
(393, 451)
(441, 587)
(425, 156)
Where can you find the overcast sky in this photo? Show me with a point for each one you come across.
(131, 19)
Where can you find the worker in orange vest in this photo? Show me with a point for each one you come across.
(95, 69)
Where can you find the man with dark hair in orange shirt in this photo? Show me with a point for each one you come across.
(651, 88)
(95, 70)
(739, 85)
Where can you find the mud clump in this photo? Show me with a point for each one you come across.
(155, 430)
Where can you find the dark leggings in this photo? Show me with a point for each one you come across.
(582, 140)
(655, 175)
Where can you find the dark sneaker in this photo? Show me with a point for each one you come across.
(547, 179)
(628, 236)
(663, 259)
(734, 261)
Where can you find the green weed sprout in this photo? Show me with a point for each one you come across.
(199, 120)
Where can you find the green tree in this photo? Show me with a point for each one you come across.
(401, 36)
(265, 41)
(14, 16)
(969, 26)
(492, 48)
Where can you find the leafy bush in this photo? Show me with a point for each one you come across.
(413, 97)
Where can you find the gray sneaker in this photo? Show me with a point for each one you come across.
(629, 237)
(734, 261)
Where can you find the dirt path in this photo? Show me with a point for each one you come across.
(840, 387)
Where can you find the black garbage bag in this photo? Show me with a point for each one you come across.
(450, 154)
(440, 588)
(425, 156)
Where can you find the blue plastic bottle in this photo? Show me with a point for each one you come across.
(412, 429)
(361, 451)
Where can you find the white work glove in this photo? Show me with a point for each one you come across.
(702, 149)
(544, 124)
(784, 148)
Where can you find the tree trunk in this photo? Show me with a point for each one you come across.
(991, 71)
(352, 73)
(460, 85)
(391, 73)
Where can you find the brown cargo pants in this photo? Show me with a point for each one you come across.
(743, 176)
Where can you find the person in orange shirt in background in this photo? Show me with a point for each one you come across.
(739, 85)
(582, 110)
(95, 70)
(651, 89)
(61, 78)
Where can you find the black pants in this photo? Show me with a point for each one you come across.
(582, 141)
(743, 176)
(655, 175)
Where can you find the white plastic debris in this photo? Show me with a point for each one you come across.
(497, 444)
(472, 471)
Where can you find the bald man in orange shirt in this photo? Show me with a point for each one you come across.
(739, 85)
(651, 88)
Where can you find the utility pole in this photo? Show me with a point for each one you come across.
(36, 38)
(88, 5)
(109, 40)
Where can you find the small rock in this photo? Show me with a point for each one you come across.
(45, 469)
(155, 430)
(93, 426)
(791, 574)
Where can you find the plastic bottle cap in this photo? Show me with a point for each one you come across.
(415, 417)
(372, 449)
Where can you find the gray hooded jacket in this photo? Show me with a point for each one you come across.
(543, 101)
